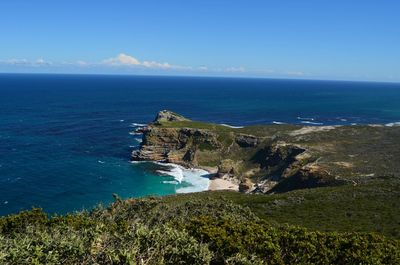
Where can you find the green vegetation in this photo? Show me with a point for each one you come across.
(216, 228)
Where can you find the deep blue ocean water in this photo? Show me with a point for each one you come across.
(65, 142)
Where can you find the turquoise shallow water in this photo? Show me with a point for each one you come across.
(65, 142)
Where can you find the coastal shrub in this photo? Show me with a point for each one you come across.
(188, 229)
(142, 245)
(154, 211)
(290, 245)
(19, 222)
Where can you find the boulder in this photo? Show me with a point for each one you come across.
(246, 185)
(246, 140)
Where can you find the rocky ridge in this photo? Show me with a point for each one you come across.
(273, 158)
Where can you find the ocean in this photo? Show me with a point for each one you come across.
(65, 142)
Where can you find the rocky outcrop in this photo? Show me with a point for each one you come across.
(166, 115)
(174, 145)
(227, 167)
(279, 159)
(246, 185)
(268, 159)
(246, 140)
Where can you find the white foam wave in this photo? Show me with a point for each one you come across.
(137, 162)
(305, 119)
(135, 133)
(139, 140)
(393, 124)
(174, 171)
(134, 124)
(278, 122)
(170, 182)
(231, 126)
(101, 162)
(192, 179)
(312, 123)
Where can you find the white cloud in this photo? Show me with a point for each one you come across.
(25, 62)
(153, 64)
(240, 69)
(127, 60)
(16, 62)
(122, 59)
(41, 61)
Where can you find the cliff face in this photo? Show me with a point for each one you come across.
(174, 145)
(274, 158)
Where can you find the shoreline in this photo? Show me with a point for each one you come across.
(214, 184)
(224, 183)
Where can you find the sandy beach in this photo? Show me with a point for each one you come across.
(223, 184)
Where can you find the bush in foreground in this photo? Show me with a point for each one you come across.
(158, 231)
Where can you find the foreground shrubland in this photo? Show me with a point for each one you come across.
(194, 229)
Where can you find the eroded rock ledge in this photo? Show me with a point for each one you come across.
(274, 158)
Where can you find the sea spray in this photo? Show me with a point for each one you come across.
(186, 179)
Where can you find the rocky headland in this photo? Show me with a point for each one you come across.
(273, 158)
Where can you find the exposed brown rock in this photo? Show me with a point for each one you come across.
(166, 115)
(246, 185)
(246, 140)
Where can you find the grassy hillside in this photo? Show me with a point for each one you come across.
(334, 225)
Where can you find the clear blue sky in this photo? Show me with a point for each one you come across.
(323, 39)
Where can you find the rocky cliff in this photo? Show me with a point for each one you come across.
(274, 158)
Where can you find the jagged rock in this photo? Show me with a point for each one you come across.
(246, 185)
(175, 145)
(246, 140)
(227, 167)
(166, 115)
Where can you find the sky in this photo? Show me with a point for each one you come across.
(313, 39)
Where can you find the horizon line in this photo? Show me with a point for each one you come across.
(201, 76)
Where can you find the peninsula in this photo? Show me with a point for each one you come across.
(274, 158)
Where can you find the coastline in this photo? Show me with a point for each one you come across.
(214, 184)
(223, 183)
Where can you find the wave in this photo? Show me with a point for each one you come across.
(305, 119)
(312, 123)
(174, 171)
(134, 124)
(231, 126)
(170, 182)
(135, 133)
(278, 122)
(137, 162)
(391, 124)
(189, 180)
